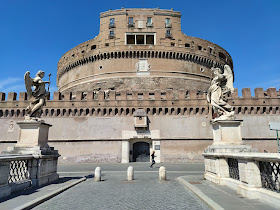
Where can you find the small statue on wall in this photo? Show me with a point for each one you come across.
(221, 86)
(38, 94)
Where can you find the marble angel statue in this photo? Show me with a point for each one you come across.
(38, 94)
(221, 86)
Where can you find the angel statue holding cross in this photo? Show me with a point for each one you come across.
(221, 86)
(38, 94)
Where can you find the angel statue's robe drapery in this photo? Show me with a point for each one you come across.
(215, 98)
(221, 84)
(39, 93)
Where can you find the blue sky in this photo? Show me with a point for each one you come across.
(36, 33)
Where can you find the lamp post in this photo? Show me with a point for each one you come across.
(276, 127)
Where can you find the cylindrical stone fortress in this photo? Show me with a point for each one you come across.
(139, 49)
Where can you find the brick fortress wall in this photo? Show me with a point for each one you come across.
(124, 103)
(108, 62)
(88, 127)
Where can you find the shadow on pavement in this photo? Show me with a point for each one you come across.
(31, 190)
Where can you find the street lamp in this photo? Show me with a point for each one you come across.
(276, 127)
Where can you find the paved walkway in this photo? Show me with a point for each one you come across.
(184, 189)
(220, 197)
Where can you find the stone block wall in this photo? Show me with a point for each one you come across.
(95, 121)
(155, 102)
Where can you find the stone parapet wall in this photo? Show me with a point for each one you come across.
(252, 175)
(125, 103)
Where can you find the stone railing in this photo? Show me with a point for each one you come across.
(253, 175)
(18, 172)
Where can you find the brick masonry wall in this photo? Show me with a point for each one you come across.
(155, 102)
(106, 63)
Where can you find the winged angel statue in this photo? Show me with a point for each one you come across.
(38, 95)
(221, 86)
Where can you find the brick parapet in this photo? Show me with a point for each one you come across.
(169, 94)
(169, 102)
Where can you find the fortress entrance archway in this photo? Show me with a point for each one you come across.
(137, 147)
(141, 152)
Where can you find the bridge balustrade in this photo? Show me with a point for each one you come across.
(253, 175)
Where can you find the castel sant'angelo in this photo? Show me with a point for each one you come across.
(139, 86)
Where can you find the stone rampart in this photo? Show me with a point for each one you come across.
(157, 102)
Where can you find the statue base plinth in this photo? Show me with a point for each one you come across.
(33, 133)
(33, 139)
(227, 132)
(227, 137)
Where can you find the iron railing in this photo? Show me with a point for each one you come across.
(270, 173)
(18, 171)
(233, 168)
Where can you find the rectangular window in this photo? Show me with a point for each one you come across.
(112, 23)
(130, 22)
(140, 39)
(167, 23)
(130, 39)
(168, 34)
(150, 39)
(149, 22)
(112, 34)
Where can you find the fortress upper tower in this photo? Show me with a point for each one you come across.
(140, 49)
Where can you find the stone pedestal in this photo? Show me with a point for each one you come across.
(227, 132)
(33, 134)
(227, 137)
(33, 140)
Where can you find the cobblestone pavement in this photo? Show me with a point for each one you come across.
(114, 192)
(90, 167)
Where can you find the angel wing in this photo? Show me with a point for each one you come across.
(28, 84)
(228, 74)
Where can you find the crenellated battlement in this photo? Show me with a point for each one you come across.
(112, 95)
(156, 102)
(168, 94)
